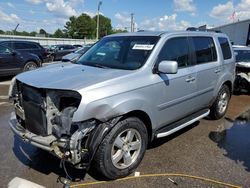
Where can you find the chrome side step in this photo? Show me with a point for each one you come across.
(163, 134)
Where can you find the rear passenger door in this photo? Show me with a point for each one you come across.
(208, 68)
(175, 92)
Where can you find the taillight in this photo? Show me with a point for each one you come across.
(46, 52)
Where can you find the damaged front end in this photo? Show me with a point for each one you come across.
(43, 117)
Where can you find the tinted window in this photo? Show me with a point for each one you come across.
(8, 44)
(225, 47)
(20, 45)
(242, 55)
(4, 50)
(67, 47)
(176, 49)
(204, 49)
(128, 53)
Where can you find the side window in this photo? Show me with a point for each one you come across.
(71, 47)
(204, 49)
(176, 49)
(4, 50)
(225, 47)
(66, 47)
(8, 44)
(31, 46)
(20, 46)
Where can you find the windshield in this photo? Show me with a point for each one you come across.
(127, 53)
(242, 55)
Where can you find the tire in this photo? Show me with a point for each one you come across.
(30, 65)
(219, 107)
(120, 154)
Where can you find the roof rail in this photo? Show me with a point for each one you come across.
(202, 29)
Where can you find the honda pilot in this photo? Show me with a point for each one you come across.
(124, 92)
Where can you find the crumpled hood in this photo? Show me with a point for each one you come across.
(68, 76)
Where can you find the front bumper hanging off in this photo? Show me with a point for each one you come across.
(68, 149)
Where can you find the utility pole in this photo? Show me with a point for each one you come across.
(14, 32)
(97, 22)
(132, 22)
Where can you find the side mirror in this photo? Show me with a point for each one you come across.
(168, 67)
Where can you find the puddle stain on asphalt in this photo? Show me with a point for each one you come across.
(234, 137)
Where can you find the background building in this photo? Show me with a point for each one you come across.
(238, 32)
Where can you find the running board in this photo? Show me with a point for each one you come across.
(182, 125)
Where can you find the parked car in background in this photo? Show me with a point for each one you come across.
(58, 51)
(124, 92)
(13, 62)
(242, 81)
(74, 56)
(27, 47)
(77, 45)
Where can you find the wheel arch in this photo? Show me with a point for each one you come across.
(144, 117)
(229, 84)
(31, 60)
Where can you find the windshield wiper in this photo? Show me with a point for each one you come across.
(99, 66)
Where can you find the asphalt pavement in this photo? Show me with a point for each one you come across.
(217, 150)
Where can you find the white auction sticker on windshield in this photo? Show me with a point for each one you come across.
(143, 47)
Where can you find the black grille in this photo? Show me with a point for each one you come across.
(33, 105)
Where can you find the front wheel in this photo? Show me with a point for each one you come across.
(219, 108)
(122, 150)
(30, 66)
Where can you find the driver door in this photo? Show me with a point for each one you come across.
(175, 93)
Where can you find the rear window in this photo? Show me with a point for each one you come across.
(225, 47)
(204, 49)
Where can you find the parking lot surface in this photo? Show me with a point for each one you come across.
(218, 150)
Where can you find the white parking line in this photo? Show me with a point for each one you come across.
(2, 103)
(5, 82)
(4, 97)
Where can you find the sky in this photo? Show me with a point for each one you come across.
(166, 15)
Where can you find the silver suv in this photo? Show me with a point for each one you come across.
(127, 90)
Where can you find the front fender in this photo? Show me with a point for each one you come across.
(108, 108)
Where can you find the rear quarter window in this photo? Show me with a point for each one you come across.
(225, 48)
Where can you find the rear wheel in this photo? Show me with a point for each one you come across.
(30, 65)
(122, 150)
(219, 108)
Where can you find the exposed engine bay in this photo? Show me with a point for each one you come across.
(43, 117)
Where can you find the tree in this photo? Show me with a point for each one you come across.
(80, 27)
(24, 33)
(42, 32)
(71, 26)
(119, 31)
(33, 33)
(1, 32)
(105, 27)
(58, 34)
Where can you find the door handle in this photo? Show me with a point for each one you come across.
(190, 79)
(217, 70)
